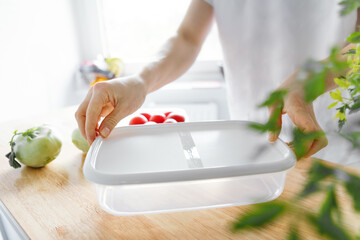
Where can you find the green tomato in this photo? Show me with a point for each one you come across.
(36, 147)
(79, 141)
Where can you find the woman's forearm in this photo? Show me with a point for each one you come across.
(292, 82)
(174, 59)
(180, 51)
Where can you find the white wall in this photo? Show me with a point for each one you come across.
(39, 54)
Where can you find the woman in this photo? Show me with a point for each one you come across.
(263, 43)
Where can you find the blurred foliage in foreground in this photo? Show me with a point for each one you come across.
(327, 220)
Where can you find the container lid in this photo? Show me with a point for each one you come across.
(187, 151)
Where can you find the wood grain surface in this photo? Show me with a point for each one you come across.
(57, 202)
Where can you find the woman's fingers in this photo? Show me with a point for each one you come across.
(316, 146)
(93, 111)
(111, 100)
(106, 110)
(310, 147)
(80, 114)
(303, 117)
(111, 120)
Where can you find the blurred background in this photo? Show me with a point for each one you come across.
(45, 43)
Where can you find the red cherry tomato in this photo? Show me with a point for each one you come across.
(177, 117)
(158, 118)
(170, 120)
(167, 114)
(140, 119)
(146, 115)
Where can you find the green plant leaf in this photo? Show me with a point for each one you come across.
(12, 162)
(272, 124)
(294, 234)
(330, 205)
(355, 106)
(258, 127)
(314, 86)
(340, 115)
(350, 52)
(318, 172)
(274, 97)
(260, 215)
(354, 78)
(334, 63)
(348, 6)
(310, 187)
(324, 221)
(343, 83)
(326, 226)
(336, 95)
(11, 155)
(332, 105)
(301, 139)
(341, 124)
(352, 186)
(354, 37)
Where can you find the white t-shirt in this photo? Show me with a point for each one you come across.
(264, 41)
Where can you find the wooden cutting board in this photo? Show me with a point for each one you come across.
(57, 202)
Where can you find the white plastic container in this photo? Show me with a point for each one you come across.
(185, 166)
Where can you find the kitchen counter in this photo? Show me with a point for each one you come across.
(57, 202)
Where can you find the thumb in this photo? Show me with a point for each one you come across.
(275, 117)
(110, 122)
(304, 119)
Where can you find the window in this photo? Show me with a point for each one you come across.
(135, 30)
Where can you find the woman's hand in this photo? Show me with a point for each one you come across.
(113, 100)
(301, 114)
